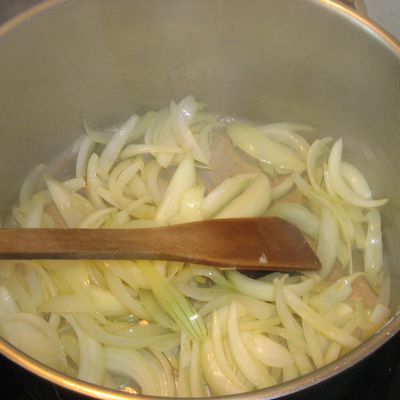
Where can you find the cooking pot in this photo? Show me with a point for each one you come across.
(311, 61)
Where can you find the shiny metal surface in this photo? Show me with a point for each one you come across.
(311, 61)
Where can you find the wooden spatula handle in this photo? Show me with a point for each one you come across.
(246, 243)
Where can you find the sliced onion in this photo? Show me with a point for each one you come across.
(225, 192)
(30, 183)
(249, 366)
(318, 322)
(35, 337)
(282, 188)
(251, 287)
(218, 348)
(132, 364)
(290, 138)
(312, 161)
(72, 206)
(115, 145)
(339, 183)
(219, 383)
(297, 215)
(268, 351)
(96, 219)
(252, 202)
(85, 150)
(333, 295)
(373, 258)
(356, 180)
(184, 135)
(255, 144)
(34, 217)
(328, 238)
(133, 150)
(183, 178)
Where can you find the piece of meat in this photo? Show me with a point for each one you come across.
(53, 212)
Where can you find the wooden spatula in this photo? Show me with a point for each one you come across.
(242, 243)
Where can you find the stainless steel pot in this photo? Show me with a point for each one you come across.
(312, 61)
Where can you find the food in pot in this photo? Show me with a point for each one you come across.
(174, 329)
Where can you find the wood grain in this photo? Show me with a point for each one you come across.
(242, 243)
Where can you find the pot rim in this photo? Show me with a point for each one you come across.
(384, 334)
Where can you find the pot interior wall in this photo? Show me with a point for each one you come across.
(275, 60)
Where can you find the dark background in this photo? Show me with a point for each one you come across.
(9, 8)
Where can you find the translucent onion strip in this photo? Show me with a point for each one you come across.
(287, 137)
(19, 294)
(356, 180)
(184, 135)
(163, 136)
(267, 351)
(256, 308)
(183, 178)
(219, 383)
(155, 311)
(96, 219)
(282, 188)
(218, 347)
(340, 185)
(300, 358)
(183, 383)
(30, 183)
(191, 205)
(313, 344)
(136, 149)
(174, 302)
(36, 337)
(137, 340)
(122, 294)
(321, 200)
(373, 258)
(249, 366)
(315, 175)
(318, 322)
(34, 217)
(85, 150)
(251, 287)
(7, 303)
(291, 126)
(72, 206)
(224, 193)
(168, 372)
(252, 202)
(91, 354)
(297, 215)
(97, 136)
(255, 144)
(151, 174)
(132, 364)
(328, 238)
(93, 182)
(115, 145)
(334, 294)
(67, 303)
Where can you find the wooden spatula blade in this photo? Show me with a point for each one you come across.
(241, 243)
